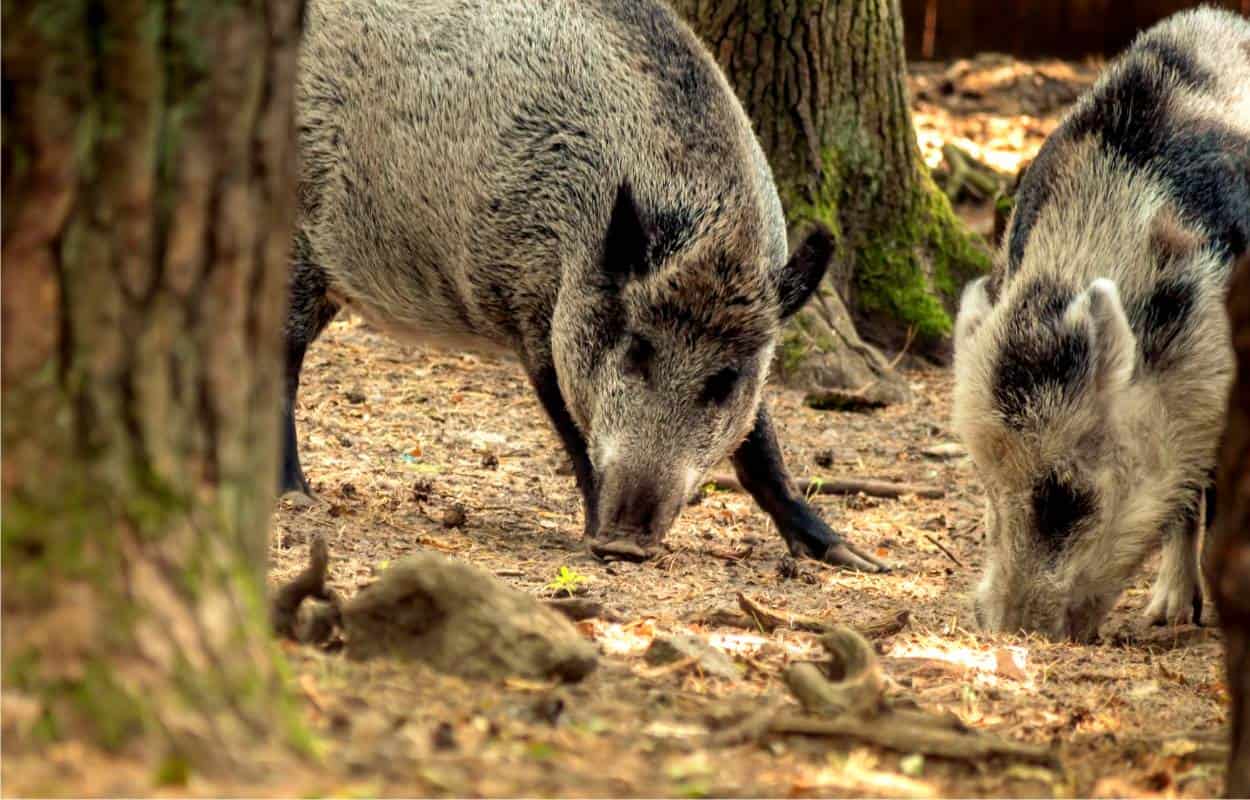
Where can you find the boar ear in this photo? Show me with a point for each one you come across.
(626, 243)
(1115, 346)
(974, 306)
(805, 269)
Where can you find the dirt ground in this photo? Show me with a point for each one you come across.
(394, 436)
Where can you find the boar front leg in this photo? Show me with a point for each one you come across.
(309, 311)
(762, 472)
(1177, 592)
(548, 389)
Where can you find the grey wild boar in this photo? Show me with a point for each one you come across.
(573, 182)
(1092, 368)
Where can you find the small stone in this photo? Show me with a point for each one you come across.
(355, 397)
(455, 516)
(298, 500)
(945, 451)
(422, 488)
(548, 709)
(787, 568)
(461, 620)
(667, 648)
(444, 737)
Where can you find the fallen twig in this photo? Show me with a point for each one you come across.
(673, 666)
(769, 619)
(758, 616)
(911, 334)
(942, 547)
(728, 555)
(853, 705)
(888, 625)
(841, 486)
(728, 617)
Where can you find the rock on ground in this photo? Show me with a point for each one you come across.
(464, 621)
(667, 648)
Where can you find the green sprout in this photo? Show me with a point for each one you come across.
(567, 581)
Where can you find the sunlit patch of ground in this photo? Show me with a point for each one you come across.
(394, 437)
(467, 432)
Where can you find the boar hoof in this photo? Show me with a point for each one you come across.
(620, 550)
(297, 498)
(845, 555)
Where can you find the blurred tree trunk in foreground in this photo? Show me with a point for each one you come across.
(148, 195)
(824, 85)
(1227, 561)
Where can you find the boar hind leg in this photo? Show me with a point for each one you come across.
(762, 472)
(308, 313)
(548, 389)
(1177, 593)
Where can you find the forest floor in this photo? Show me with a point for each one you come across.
(394, 436)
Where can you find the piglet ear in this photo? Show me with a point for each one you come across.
(805, 269)
(974, 306)
(626, 243)
(1114, 344)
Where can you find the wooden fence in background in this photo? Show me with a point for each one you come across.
(1062, 28)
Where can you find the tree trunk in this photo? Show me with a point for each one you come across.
(824, 85)
(1227, 559)
(148, 195)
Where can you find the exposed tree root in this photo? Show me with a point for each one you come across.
(913, 733)
(284, 607)
(858, 684)
(846, 698)
(758, 615)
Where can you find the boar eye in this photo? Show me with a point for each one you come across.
(638, 358)
(1058, 508)
(720, 386)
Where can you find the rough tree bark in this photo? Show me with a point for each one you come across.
(1227, 559)
(824, 84)
(148, 194)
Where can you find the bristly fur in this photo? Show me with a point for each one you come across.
(1090, 388)
(572, 181)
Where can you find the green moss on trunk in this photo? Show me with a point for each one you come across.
(912, 272)
(140, 370)
(824, 84)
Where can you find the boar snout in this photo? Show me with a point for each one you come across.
(633, 517)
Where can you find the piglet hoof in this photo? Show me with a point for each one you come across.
(619, 550)
(1174, 605)
(846, 555)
